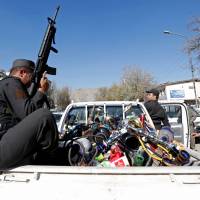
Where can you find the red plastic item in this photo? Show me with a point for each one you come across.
(142, 118)
(115, 153)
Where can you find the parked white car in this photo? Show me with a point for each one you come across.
(57, 115)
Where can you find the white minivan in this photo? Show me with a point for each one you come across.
(118, 109)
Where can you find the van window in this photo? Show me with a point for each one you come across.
(78, 114)
(174, 113)
(114, 111)
(134, 110)
(94, 112)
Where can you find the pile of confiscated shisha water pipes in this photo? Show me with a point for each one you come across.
(128, 143)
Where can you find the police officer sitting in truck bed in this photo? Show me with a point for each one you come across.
(25, 127)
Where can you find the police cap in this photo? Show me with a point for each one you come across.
(24, 63)
(155, 92)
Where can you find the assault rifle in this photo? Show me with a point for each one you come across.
(46, 47)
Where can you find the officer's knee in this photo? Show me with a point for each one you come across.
(48, 128)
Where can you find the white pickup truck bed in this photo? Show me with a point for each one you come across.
(56, 183)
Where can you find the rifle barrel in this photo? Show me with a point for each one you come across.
(56, 13)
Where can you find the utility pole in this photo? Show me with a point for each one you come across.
(193, 80)
(190, 64)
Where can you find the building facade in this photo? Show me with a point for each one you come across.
(186, 90)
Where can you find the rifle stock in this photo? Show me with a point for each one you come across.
(46, 47)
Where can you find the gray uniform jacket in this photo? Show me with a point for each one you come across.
(157, 114)
(15, 102)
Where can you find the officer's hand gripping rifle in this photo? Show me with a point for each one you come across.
(46, 47)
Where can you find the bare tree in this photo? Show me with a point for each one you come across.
(135, 81)
(193, 44)
(192, 47)
(109, 94)
(63, 98)
(101, 94)
(51, 94)
(132, 86)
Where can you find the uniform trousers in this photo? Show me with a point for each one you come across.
(36, 132)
